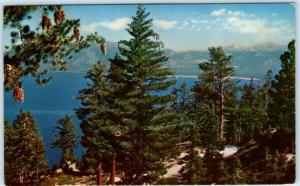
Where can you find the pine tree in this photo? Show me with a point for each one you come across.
(212, 143)
(193, 170)
(66, 138)
(126, 114)
(25, 152)
(35, 51)
(281, 109)
(249, 113)
(93, 120)
(260, 108)
(152, 124)
(183, 107)
(215, 84)
(214, 95)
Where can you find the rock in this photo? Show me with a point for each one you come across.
(289, 157)
(58, 171)
(73, 167)
(117, 179)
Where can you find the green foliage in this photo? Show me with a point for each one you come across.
(193, 171)
(273, 168)
(215, 86)
(121, 114)
(35, 51)
(65, 138)
(250, 116)
(183, 106)
(235, 172)
(212, 144)
(24, 151)
(214, 95)
(282, 107)
(14, 14)
(93, 124)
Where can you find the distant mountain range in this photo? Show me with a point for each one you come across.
(252, 61)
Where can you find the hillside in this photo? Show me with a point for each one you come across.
(248, 61)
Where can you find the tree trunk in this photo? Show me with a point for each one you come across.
(222, 111)
(113, 166)
(99, 175)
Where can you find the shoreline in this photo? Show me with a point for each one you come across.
(176, 76)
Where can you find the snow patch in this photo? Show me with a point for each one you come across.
(58, 171)
(173, 171)
(183, 154)
(289, 157)
(229, 150)
(73, 167)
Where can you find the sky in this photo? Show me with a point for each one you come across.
(191, 26)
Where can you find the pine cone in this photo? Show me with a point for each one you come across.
(49, 24)
(103, 48)
(46, 22)
(18, 94)
(77, 33)
(59, 16)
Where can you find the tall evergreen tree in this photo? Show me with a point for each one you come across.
(214, 95)
(250, 114)
(190, 122)
(193, 170)
(212, 143)
(24, 152)
(93, 120)
(183, 107)
(127, 115)
(262, 100)
(215, 84)
(151, 127)
(65, 138)
(281, 109)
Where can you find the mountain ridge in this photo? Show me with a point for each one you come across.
(249, 61)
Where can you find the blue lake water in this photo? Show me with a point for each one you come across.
(52, 101)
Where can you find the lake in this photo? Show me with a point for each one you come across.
(52, 101)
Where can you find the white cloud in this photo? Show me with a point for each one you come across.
(224, 12)
(164, 24)
(251, 26)
(117, 24)
(261, 28)
(90, 27)
(219, 12)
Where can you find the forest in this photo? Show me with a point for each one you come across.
(132, 133)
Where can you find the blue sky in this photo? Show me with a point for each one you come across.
(193, 26)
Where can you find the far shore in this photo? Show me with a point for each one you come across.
(176, 76)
